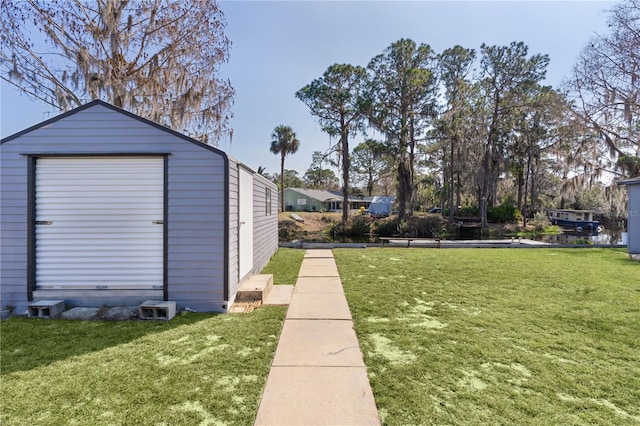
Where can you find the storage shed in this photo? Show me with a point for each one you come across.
(633, 224)
(102, 207)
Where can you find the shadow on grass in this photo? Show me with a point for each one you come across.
(26, 344)
(596, 253)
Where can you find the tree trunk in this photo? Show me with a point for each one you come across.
(451, 179)
(520, 185)
(412, 162)
(534, 197)
(486, 169)
(404, 187)
(485, 188)
(526, 190)
(458, 185)
(344, 139)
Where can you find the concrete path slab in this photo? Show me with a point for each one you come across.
(317, 261)
(319, 271)
(279, 295)
(319, 285)
(318, 375)
(318, 306)
(318, 342)
(317, 396)
(318, 253)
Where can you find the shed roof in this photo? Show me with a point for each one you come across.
(122, 111)
(632, 181)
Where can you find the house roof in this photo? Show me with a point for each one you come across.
(324, 196)
(632, 181)
(316, 194)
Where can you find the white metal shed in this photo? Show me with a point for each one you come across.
(102, 207)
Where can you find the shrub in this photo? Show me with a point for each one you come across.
(413, 226)
(428, 226)
(540, 222)
(288, 230)
(356, 229)
(326, 219)
(582, 241)
(504, 213)
(468, 211)
(386, 228)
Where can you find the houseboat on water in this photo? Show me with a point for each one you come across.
(579, 220)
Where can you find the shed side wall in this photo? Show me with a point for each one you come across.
(13, 229)
(265, 223)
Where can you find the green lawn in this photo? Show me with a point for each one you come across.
(455, 336)
(285, 265)
(498, 336)
(194, 369)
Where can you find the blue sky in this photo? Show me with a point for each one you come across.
(278, 47)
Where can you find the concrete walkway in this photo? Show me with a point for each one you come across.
(318, 376)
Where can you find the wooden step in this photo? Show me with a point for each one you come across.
(256, 287)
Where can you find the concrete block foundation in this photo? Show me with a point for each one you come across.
(46, 309)
(157, 310)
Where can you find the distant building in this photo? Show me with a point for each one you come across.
(316, 200)
(633, 227)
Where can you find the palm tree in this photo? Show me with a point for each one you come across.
(284, 142)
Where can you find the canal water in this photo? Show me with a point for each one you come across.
(604, 238)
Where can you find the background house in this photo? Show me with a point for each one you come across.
(633, 226)
(316, 200)
(102, 207)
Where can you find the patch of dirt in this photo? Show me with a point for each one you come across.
(312, 228)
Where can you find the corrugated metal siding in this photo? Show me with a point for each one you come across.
(196, 178)
(13, 231)
(265, 224)
(196, 228)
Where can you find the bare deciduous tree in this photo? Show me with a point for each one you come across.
(606, 82)
(156, 58)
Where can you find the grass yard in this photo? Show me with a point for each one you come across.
(194, 369)
(498, 336)
(285, 265)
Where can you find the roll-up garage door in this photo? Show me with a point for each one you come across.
(99, 222)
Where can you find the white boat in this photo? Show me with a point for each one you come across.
(580, 220)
